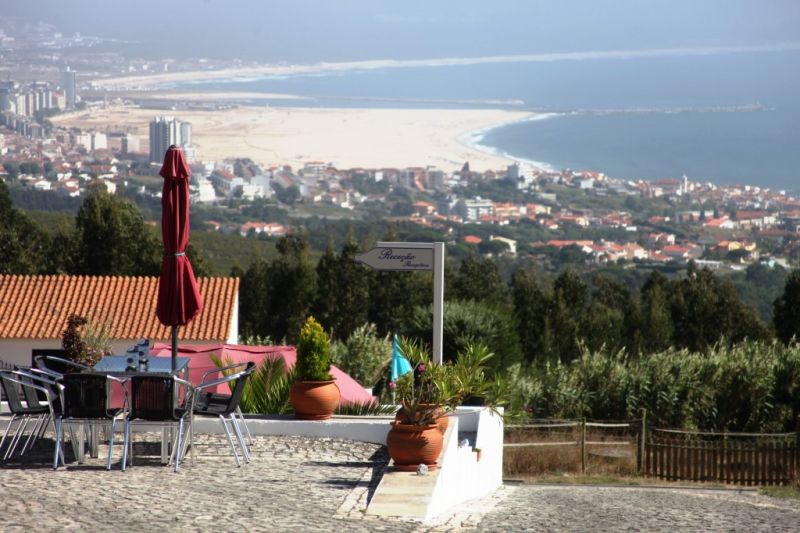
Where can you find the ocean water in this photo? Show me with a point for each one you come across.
(724, 117)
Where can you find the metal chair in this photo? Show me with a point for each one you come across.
(35, 398)
(86, 401)
(225, 406)
(16, 385)
(220, 398)
(155, 398)
(58, 365)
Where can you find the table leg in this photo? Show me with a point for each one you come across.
(94, 441)
(166, 439)
(81, 443)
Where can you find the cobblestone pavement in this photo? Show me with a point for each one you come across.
(293, 484)
(310, 484)
(596, 509)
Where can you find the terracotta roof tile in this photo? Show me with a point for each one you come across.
(37, 307)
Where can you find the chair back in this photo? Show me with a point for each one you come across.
(238, 389)
(58, 365)
(32, 396)
(152, 398)
(12, 392)
(39, 358)
(85, 396)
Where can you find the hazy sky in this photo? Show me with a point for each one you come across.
(331, 30)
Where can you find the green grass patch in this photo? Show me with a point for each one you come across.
(600, 479)
(786, 493)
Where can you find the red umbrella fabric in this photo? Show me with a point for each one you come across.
(179, 300)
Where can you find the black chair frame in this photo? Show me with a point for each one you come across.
(226, 410)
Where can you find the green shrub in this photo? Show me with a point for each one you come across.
(313, 352)
(364, 355)
(750, 386)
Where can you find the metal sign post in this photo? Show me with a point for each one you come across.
(411, 256)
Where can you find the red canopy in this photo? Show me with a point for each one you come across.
(179, 300)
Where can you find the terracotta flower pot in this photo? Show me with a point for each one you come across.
(442, 420)
(409, 446)
(314, 400)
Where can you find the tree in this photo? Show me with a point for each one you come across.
(786, 314)
(567, 311)
(112, 239)
(292, 287)
(530, 310)
(325, 306)
(290, 195)
(343, 295)
(32, 168)
(492, 248)
(656, 321)
(479, 280)
(24, 246)
(254, 298)
(468, 322)
(705, 310)
(12, 169)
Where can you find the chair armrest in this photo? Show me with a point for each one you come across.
(48, 393)
(222, 370)
(37, 377)
(67, 362)
(182, 381)
(52, 374)
(219, 381)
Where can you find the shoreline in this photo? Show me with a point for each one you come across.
(474, 139)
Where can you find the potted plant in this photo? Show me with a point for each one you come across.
(424, 398)
(314, 394)
(428, 394)
(85, 342)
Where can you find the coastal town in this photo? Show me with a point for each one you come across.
(44, 147)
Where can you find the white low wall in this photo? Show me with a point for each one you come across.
(462, 475)
(361, 428)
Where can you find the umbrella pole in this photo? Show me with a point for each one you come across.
(174, 347)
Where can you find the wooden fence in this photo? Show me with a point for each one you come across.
(736, 458)
(580, 433)
(671, 454)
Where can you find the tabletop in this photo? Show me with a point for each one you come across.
(118, 364)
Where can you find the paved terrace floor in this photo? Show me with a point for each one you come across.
(302, 484)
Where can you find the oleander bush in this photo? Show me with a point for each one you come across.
(364, 355)
(748, 386)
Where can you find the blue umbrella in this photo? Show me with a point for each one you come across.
(400, 365)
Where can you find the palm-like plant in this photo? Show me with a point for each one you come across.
(267, 390)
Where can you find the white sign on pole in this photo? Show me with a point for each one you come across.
(393, 258)
(411, 256)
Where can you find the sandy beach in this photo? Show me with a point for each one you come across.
(345, 137)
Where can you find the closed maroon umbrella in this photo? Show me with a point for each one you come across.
(179, 300)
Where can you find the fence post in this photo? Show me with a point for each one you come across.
(642, 451)
(583, 445)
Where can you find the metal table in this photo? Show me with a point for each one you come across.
(117, 365)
